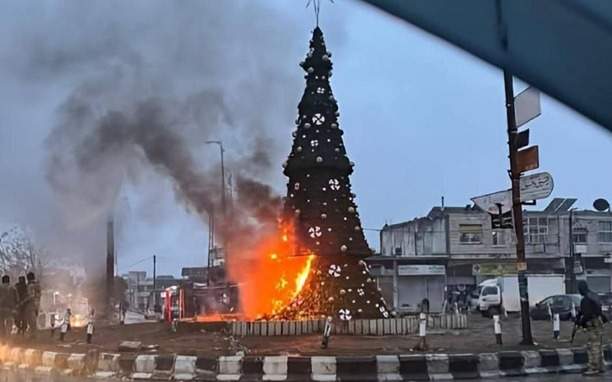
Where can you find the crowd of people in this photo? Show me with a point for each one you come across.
(19, 305)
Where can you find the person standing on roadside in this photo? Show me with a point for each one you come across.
(22, 297)
(592, 320)
(8, 303)
(32, 305)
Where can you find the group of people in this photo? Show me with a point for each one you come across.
(19, 305)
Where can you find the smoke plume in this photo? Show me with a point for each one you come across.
(139, 88)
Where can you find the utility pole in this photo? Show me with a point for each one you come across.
(223, 200)
(221, 151)
(110, 265)
(572, 255)
(517, 209)
(154, 282)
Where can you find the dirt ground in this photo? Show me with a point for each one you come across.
(478, 338)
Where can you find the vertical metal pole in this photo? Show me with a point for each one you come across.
(110, 264)
(154, 282)
(223, 201)
(572, 255)
(395, 287)
(517, 210)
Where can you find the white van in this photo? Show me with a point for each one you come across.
(502, 293)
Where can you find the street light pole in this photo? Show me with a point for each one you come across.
(221, 151)
(223, 204)
(517, 209)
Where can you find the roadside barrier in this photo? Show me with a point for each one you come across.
(367, 327)
(55, 366)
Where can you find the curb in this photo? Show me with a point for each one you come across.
(410, 367)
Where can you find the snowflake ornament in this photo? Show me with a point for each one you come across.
(315, 231)
(334, 184)
(318, 119)
(345, 314)
(334, 270)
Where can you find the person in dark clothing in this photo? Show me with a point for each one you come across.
(592, 320)
(22, 298)
(8, 300)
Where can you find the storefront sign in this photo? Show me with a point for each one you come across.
(421, 270)
(493, 269)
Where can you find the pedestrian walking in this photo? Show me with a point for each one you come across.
(22, 296)
(591, 319)
(32, 305)
(8, 303)
(52, 321)
(90, 325)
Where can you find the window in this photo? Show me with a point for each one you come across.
(489, 290)
(498, 237)
(605, 231)
(580, 235)
(536, 230)
(470, 233)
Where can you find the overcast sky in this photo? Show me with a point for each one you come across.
(422, 119)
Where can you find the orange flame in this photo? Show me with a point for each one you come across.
(271, 276)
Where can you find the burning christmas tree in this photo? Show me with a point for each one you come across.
(320, 206)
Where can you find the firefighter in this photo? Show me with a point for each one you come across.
(8, 303)
(22, 297)
(592, 320)
(32, 305)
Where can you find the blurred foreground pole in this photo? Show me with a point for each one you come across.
(517, 209)
(110, 267)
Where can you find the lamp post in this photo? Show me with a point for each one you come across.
(223, 207)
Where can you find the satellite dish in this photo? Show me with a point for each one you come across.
(601, 204)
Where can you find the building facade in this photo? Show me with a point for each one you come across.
(140, 288)
(455, 248)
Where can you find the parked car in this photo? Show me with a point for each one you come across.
(561, 303)
(606, 304)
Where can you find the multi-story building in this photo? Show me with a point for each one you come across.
(140, 288)
(454, 248)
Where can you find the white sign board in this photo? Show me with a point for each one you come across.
(421, 270)
(527, 106)
(490, 202)
(536, 186)
(533, 187)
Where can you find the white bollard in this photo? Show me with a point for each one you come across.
(556, 324)
(422, 345)
(422, 325)
(497, 329)
(326, 332)
(63, 330)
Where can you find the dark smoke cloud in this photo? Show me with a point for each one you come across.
(122, 92)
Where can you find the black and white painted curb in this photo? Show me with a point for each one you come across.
(411, 367)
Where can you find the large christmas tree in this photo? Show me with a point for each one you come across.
(321, 206)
